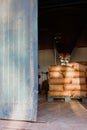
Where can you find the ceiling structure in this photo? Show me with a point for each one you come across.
(66, 18)
(60, 3)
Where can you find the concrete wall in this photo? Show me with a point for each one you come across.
(45, 58)
(79, 54)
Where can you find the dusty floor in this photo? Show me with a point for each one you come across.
(58, 115)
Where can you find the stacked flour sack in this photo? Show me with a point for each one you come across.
(68, 80)
(78, 87)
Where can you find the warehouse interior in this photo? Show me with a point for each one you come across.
(62, 65)
(62, 31)
(62, 28)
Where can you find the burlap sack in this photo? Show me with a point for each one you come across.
(60, 81)
(75, 74)
(79, 94)
(75, 87)
(60, 68)
(55, 75)
(56, 93)
(86, 74)
(78, 66)
(78, 80)
(56, 87)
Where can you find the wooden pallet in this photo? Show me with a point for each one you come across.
(67, 99)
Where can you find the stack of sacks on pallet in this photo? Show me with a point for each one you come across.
(79, 82)
(57, 80)
(68, 80)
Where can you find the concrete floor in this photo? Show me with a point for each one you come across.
(58, 115)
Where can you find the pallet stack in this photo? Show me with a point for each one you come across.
(67, 81)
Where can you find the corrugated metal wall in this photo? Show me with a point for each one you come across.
(18, 59)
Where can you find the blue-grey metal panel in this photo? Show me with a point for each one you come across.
(18, 59)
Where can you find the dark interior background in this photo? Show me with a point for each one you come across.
(64, 17)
